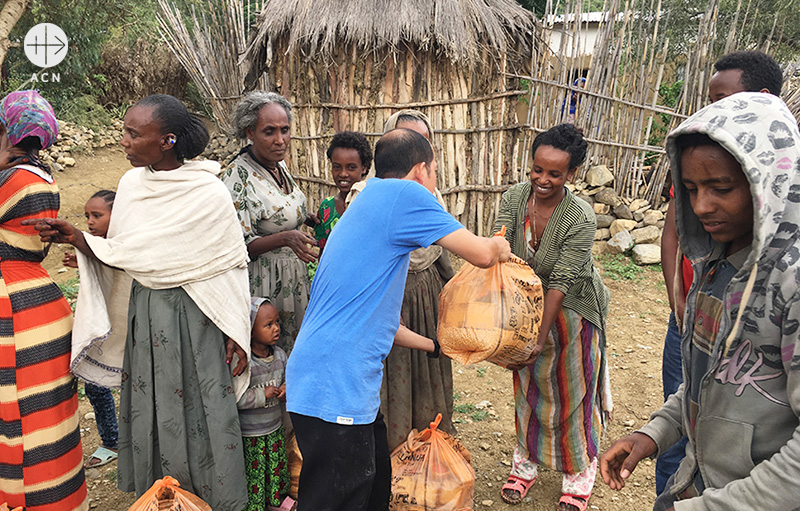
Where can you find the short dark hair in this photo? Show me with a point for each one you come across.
(689, 140)
(398, 151)
(759, 70)
(191, 135)
(353, 140)
(565, 137)
(107, 195)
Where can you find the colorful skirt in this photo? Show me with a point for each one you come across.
(559, 399)
(267, 470)
(41, 460)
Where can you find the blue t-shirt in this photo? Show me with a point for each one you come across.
(335, 368)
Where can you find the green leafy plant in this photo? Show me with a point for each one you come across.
(479, 415)
(464, 408)
(312, 270)
(70, 290)
(481, 372)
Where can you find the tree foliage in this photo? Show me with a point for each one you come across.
(89, 25)
(755, 23)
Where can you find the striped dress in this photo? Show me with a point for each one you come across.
(41, 461)
(559, 400)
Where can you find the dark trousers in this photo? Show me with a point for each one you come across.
(345, 468)
(672, 377)
(105, 414)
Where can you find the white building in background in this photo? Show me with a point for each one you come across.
(590, 26)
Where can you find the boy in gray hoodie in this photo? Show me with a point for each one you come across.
(736, 170)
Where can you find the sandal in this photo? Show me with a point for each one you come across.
(103, 455)
(568, 502)
(518, 485)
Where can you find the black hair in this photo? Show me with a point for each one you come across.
(353, 140)
(108, 197)
(759, 70)
(565, 137)
(191, 135)
(689, 140)
(32, 145)
(398, 151)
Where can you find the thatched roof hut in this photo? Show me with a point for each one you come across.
(350, 65)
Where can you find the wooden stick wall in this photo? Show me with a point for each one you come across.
(476, 131)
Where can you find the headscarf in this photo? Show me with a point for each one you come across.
(27, 114)
(391, 122)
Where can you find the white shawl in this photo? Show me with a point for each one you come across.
(168, 229)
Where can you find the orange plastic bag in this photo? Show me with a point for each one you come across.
(491, 314)
(4, 507)
(431, 471)
(165, 495)
(295, 460)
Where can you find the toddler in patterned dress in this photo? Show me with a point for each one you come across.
(260, 414)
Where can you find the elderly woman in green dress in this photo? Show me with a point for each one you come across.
(271, 208)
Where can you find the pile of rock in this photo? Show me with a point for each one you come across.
(223, 148)
(73, 138)
(623, 226)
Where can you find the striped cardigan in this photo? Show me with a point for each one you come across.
(564, 259)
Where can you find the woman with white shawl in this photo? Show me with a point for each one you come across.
(175, 232)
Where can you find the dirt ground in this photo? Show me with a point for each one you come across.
(484, 397)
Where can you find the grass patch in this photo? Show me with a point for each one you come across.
(481, 372)
(620, 267)
(456, 396)
(70, 290)
(464, 408)
(480, 415)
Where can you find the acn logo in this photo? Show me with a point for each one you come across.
(46, 45)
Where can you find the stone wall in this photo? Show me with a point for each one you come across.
(78, 139)
(623, 226)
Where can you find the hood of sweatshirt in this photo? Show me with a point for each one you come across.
(762, 135)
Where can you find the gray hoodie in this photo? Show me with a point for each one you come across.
(746, 441)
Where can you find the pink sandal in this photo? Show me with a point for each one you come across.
(288, 504)
(581, 502)
(516, 484)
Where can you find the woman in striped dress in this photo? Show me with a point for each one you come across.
(561, 392)
(41, 461)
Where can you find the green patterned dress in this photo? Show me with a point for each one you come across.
(328, 216)
(264, 209)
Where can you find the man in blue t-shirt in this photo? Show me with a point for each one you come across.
(334, 373)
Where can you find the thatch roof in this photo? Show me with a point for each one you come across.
(457, 29)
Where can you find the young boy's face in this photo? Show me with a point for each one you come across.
(266, 328)
(720, 194)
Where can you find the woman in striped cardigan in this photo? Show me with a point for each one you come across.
(561, 391)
